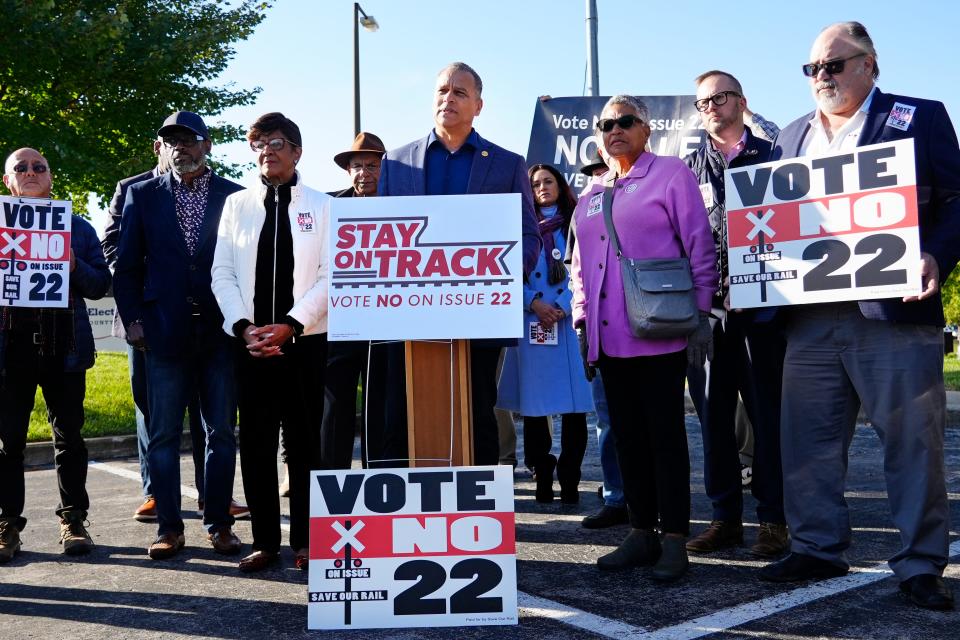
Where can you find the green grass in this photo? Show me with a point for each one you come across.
(951, 372)
(108, 405)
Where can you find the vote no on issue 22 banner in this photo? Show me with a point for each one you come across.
(412, 548)
(824, 229)
(35, 252)
(425, 267)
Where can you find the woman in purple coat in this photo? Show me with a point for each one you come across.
(657, 212)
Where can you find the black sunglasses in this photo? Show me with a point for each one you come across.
(38, 167)
(277, 144)
(624, 122)
(187, 141)
(719, 99)
(832, 67)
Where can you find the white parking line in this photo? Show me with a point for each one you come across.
(750, 611)
(543, 608)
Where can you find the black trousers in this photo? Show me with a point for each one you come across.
(645, 398)
(63, 392)
(573, 444)
(483, 376)
(273, 392)
(346, 364)
(747, 361)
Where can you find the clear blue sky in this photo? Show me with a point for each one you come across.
(302, 57)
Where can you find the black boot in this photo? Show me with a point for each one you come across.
(640, 548)
(544, 471)
(673, 563)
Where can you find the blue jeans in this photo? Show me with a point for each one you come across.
(137, 366)
(612, 483)
(205, 370)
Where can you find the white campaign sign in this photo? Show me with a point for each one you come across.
(426, 267)
(35, 252)
(837, 227)
(423, 547)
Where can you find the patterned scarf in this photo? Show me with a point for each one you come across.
(557, 271)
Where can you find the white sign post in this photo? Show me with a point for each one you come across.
(426, 267)
(824, 229)
(424, 547)
(35, 252)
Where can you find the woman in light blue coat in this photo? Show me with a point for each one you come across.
(543, 375)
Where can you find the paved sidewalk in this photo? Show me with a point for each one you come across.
(117, 592)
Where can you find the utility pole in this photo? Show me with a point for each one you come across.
(593, 67)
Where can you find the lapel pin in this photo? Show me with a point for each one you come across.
(484, 153)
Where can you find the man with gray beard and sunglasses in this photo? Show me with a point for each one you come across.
(163, 294)
(886, 355)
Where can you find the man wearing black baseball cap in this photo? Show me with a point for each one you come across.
(163, 294)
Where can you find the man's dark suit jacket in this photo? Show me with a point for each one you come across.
(938, 190)
(494, 170)
(156, 280)
(111, 233)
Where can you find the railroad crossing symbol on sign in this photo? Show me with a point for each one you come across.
(13, 243)
(347, 536)
(760, 224)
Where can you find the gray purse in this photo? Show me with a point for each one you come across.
(658, 292)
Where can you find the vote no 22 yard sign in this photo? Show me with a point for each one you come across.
(412, 548)
(35, 252)
(824, 229)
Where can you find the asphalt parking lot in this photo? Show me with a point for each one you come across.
(118, 592)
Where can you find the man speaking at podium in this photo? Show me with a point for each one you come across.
(453, 159)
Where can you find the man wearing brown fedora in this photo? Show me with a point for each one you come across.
(362, 162)
(348, 361)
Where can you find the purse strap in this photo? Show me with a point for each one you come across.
(607, 207)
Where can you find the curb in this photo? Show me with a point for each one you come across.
(38, 454)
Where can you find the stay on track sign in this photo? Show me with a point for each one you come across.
(423, 547)
(824, 229)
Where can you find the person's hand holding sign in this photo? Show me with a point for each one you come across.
(547, 315)
(930, 274)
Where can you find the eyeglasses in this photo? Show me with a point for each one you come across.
(38, 167)
(186, 141)
(277, 144)
(624, 122)
(718, 99)
(832, 67)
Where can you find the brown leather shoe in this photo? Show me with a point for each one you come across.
(9, 540)
(237, 509)
(772, 541)
(147, 512)
(166, 546)
(224, 541)
(719, 535)
(258, 561)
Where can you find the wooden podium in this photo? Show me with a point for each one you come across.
(439, 403)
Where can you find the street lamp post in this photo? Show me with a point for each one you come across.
(370, 24)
